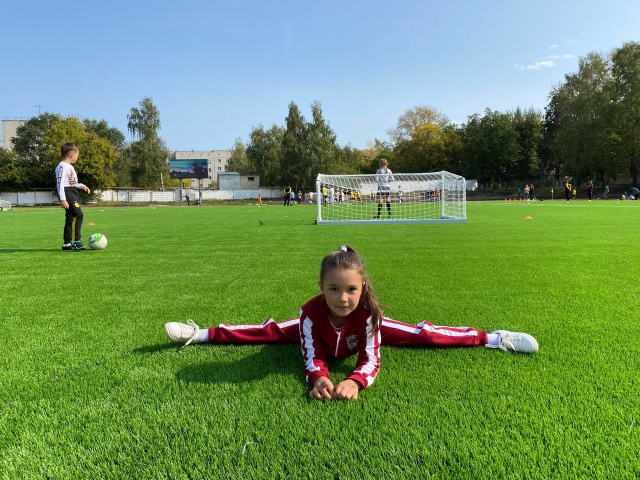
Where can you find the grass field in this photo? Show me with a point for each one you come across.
(90, 387)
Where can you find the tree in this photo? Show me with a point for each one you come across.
(37, 152)
(293, 170)
(264, 152)
(30, 147)
(239, 161)
(423, 152)
(349, 161)
(528, 125)
(373, 153)
(97, 154)
(11, 176)
(121, 167)
(581, 112)
(148, 154)
(490, 146)
(452, 148)
(626, 86)
(321, 151)
(412, 118)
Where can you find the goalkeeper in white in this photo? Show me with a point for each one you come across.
(383, 176)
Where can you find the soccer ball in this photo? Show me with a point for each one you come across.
(97, 241)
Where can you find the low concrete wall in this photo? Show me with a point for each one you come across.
(28, 199)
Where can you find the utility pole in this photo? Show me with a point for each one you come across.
(39, 107)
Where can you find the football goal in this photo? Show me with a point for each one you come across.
(5, 206)
(401, 197)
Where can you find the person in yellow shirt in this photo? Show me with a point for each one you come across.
(287, 195)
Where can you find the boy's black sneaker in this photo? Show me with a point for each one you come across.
(70, 246)
(78, 245)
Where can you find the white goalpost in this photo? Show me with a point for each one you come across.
(400, 198)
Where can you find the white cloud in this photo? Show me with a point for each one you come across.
(564, 56)
(536, 66)
(554, 46)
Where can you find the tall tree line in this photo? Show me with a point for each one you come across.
(106, 158)
(590, 129)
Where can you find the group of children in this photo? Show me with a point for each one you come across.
(345, 319)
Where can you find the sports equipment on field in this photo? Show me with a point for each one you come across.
(5, 206)
(97, 241)
(411, 198)
(516, 342)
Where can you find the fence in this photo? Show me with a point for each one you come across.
(49, 197)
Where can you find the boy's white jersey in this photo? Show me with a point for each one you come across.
(66, 177)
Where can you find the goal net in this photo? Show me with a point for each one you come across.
(400, 197)
(5, 206)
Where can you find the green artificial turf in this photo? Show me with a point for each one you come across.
(91, 388)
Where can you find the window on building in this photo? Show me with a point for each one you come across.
(251, 179)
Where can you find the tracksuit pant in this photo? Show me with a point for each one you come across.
(73, 216)
(424, 334)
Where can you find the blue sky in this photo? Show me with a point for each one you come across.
(218, 68)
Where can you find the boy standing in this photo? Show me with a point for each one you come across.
(67, 186)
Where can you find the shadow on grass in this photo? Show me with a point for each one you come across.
(269, 360)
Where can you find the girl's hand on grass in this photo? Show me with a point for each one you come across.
(323, 388)
(346, 390)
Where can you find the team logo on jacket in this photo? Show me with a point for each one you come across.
(352, 342)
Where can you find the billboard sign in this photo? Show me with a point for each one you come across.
(197, 168)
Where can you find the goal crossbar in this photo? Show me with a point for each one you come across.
(436, 197)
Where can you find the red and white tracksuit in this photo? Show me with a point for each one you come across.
(320, 340)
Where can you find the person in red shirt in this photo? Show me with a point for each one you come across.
(345, 320)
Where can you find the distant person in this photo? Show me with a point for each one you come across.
(400, 193)
(590, 190)
(259, 200)
(531, 191)
(287, 195)
(188, 199)
(300, 197)
(310, 197)
(325, 193)
(67, 187)
(346, 320)
(526, 193)
(567, 190)
(384, 176)
(605, 194)
(635, 192)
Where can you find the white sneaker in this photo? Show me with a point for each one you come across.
(182, 332)
(516, 341)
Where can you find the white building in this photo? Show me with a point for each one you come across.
(9, 131)
(218, 160)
